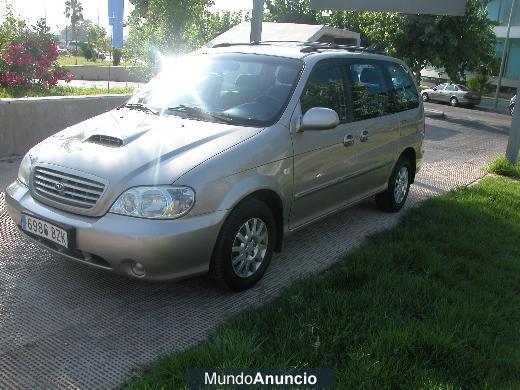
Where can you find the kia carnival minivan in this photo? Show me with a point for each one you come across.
(221, 156)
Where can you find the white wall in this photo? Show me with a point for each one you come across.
(27, 121)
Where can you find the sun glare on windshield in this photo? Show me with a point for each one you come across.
(246, 89)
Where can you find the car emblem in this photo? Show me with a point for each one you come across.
(59, 186)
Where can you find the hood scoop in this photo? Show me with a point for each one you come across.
(106, 140)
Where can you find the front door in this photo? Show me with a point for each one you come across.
(437, 93)
(448, 93)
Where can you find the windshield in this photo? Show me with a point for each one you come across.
(244, 89)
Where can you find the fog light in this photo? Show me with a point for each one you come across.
(137, 268)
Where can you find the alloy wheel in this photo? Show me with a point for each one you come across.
(401, 185)
(249, 247)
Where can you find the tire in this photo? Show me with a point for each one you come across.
(454, 101)
(425, 97)
(512, 109)
(394, 198)
(254, 252)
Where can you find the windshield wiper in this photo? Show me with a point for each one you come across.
(198, 113)
(141, 107)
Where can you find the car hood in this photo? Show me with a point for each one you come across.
(128, 148)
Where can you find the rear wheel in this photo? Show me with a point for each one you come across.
(394, 198)
(454, 101)
(245, 246)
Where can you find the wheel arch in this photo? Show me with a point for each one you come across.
(274, 202)
(411, 155)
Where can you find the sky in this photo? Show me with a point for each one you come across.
(32, 10)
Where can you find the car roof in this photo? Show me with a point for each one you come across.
(297, 50)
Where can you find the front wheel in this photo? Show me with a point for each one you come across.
(425, 97)
(394, 198)
(454, 102)
(245, 246)
(512, 110)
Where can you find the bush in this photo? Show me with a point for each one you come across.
(480, 83)
(116, 56)
(87, 50)
(28, 57)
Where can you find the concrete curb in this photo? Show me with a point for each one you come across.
(428, 112)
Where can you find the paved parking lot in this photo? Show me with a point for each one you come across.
(68, 326)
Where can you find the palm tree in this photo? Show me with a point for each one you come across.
(74, 12)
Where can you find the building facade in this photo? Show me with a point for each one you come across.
(499, 11)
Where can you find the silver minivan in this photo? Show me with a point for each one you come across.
(221, 156)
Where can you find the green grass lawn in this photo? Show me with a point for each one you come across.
(61, 90)
(80, 60)
(501, 166)
(433, 303)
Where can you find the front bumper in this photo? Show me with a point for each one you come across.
(168, 249)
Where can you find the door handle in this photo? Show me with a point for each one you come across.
(364, 136)
(348, 140)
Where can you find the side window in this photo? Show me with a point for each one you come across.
(450, 88)
(441, 87)
(325, 88)
(369, 90)
(404, 95)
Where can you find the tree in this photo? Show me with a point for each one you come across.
(28, 56)
(457, 43)
(74, 12)
(211, 25)
(172, 27)
(291, 11)
(10, 28)
(81, 31)
(97, 37)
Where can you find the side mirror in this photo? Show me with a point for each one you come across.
(319, 118)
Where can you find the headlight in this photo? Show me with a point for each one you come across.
(25, 170)
(164, 202)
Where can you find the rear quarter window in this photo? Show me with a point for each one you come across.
(403, 95)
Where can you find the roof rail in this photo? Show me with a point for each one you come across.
(311, 47)
(228, 44)
(307, 47)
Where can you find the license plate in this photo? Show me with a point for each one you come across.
(44, 229)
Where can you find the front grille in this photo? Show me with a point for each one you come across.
(106, 140)
(70, 190)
